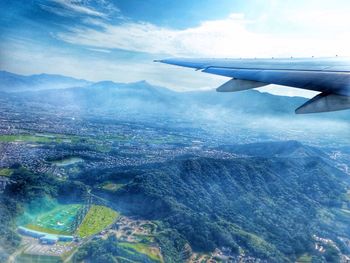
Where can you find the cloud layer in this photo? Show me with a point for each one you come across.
(89, 8)
(231, 37)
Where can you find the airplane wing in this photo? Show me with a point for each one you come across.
(329, 76)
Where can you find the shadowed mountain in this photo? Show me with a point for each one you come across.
(292, 149)
(251, 101)
(132, 98)
(269, 206)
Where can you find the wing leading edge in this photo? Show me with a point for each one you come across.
(329, 76)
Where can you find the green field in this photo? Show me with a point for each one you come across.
(25, 258)
(67, 161)
(145, 249)
(112, 187)
(5, 172)
(97, 219)
(23, 138)
(39, 138)
(57, 221)
(306, 258)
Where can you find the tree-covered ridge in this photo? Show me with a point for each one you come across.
(109, 251)
(268, 206)
(271, 207)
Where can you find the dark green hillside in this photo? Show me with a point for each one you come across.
(268, 206)
(275, 149)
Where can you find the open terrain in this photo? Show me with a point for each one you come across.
(60, 220)
(96, 220)
(5, 172)
(177, 177)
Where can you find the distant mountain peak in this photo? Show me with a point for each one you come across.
(105, 83)
(139, 85)
(11, 82)
(144, 82)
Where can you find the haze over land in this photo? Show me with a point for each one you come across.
(193, 175)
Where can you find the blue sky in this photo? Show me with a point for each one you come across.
(118, 40)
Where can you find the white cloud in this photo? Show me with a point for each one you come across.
(81, 7)
(93, 67)
(78, 7)
(336, 21)
(317, 32)
(54, 60)
(99, 50)
(230, 37)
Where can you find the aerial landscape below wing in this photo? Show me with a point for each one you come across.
(329, 76)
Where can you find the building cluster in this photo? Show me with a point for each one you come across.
(44, 238)
(34, 138)
(320, 246)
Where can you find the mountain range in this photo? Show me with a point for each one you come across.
(11, 82)
(145, 98)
